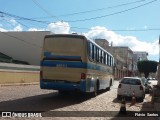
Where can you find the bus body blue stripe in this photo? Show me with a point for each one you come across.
(63, 86)
(51, 55)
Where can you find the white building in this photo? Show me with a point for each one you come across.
(24, 46)
(140, 55)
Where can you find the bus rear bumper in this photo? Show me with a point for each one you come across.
(63, 86)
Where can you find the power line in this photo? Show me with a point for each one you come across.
(46, 22)
(7, 20)
(22, 18)
(125, 30)
(95, 10)
(46, 11)
(100, 9)
(98, 17)
(3, 14)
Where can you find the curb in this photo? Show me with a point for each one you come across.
(157, 108)
(19, 84)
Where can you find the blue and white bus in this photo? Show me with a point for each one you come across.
(73, 62)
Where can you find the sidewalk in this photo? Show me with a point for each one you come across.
(19, 84)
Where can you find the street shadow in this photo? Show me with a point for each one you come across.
(127, 99)
(44, 102)
(115, 100)
(148, 104)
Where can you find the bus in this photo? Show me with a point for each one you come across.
(72, 62)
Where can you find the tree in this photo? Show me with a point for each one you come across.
(147, 66)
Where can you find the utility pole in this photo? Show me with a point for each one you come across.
(158, 72)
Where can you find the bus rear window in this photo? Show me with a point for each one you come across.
(61, 45)
(131, 81)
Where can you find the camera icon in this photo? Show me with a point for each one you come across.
(6, 114)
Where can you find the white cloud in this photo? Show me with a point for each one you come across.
(1, 25)
(59, 27)
(18, 28)
(35, 29)
(13, 22)
(119, 40)
(12, 25)
(145, 27)
(3, 30)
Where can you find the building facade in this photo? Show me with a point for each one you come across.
(123, 59)
(23, 46)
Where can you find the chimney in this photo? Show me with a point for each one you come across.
(111, 44)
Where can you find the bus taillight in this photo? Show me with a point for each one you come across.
(83, 76)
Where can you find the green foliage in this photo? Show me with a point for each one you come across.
(147, 67)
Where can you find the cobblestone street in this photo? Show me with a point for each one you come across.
(32, 98)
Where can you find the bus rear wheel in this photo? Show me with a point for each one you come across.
(96, 88)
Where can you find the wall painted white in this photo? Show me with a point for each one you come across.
(25, 46)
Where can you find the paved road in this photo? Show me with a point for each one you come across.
(32, 98)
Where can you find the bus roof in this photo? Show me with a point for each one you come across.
(76, 36)
(65, 35)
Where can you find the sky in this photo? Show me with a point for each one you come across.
(132, 23)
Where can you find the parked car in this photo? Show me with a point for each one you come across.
(147, 84)
(153, 82)
(129, 85)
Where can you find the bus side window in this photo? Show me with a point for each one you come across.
(106, 60)
(104, 56)
(89, 49)
(97, 54)
(100, 57)
(111, 61)
(93, 52)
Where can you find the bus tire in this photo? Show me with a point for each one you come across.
(111, 82)
(96, 88)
